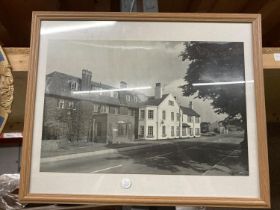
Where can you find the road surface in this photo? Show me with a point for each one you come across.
(180, 158)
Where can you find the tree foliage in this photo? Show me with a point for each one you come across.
(216, 72)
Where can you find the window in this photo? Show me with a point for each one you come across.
(151, 114)
(178, 116)
(189, 118)
(74, 85)
(197, 131)
(71, 105)
(103, 109)
(184, 131)
(142, 130)
(196, 119)
(163, 131)
(191, 131)
(113, 110)
(116, 94)
(171, 103)
(95, 108)
(172, 130)
(135, 99)
(60, 104)
(150, 131)
(163, 115)
(122, 129)
(142, 114)
(177, 131)
(172, 116)
(127, 98)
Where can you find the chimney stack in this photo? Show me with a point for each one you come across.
(86, 79)
(190, 105)
(158, 91)
(123, 84)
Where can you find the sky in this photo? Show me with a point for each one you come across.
(138, 63)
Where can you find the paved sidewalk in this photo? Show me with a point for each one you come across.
(77, 150)
(98, 151)
(76, 147)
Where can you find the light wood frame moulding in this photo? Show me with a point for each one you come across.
(254, 19)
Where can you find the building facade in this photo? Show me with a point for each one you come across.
(78, 109)
(190, 122)
(161, 117)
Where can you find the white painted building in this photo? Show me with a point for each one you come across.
(161, 117)
(190, 122)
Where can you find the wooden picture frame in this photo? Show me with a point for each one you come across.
(33, 182)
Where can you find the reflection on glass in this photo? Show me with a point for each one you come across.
(76, 27)
(112, 90)
(222, 83)
(145, 107)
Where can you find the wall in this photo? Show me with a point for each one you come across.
(57, 122)
(84, 119)
(149, 122)
(157, 122)
(113, 121)
(168, 122)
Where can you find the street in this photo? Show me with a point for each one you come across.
(177, 158)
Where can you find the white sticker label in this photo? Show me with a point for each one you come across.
(277, 56)
(126, 183)
(12, 135)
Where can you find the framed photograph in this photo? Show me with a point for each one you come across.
(145, 109)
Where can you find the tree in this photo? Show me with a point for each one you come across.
(221, 67)
(216, 72)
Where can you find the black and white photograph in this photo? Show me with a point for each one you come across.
(145, 107)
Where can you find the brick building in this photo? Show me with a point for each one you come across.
(97, 116)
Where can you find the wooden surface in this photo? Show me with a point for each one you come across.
(260, 113)
(15, 29)
(71, 207)
(26, 196)
(19, 58)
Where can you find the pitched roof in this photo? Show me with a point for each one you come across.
(131, 103)
(60, 74)
(190, 112)
(152, 101)
(56, 84)
(70, 77)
